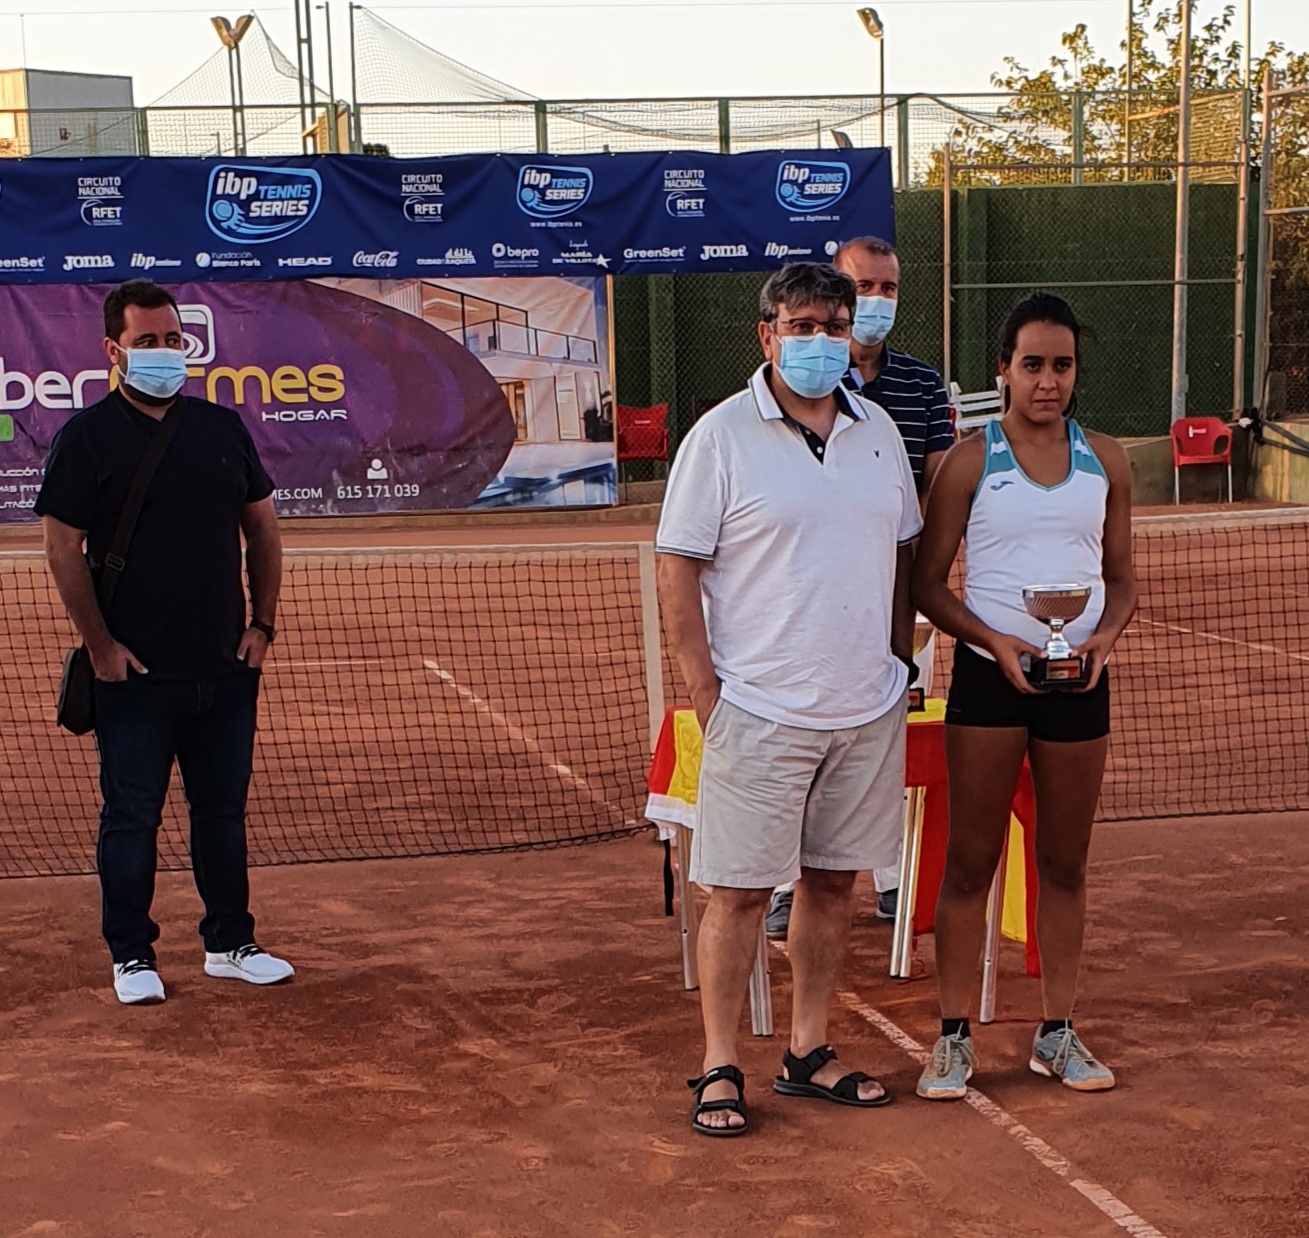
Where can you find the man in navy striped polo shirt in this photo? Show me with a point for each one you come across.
(910, 390)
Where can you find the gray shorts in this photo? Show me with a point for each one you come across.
(774, 799)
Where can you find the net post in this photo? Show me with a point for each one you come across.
(651, 641)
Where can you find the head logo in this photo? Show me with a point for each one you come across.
(255, 205)
(806, 186)
(549, 192)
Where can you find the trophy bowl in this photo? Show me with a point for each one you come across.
(1057, 605)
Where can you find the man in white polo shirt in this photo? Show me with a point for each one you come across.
(785, 548)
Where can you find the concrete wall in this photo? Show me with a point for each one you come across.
(70, 113)
(1280, 475)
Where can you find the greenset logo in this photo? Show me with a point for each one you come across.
(6, 428)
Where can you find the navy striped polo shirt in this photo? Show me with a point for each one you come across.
(912, 393)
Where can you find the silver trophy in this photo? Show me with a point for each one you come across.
(1058, 667)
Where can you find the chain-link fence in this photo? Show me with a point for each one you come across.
(1284, 289)
(1108, 248)
(1069, 129)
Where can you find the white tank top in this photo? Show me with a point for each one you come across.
(1020, 533)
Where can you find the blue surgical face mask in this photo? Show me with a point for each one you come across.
(873, 319)
(813, 367)
(155, 372)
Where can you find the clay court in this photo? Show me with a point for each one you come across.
(497, 1044)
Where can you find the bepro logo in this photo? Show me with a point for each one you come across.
(547, 193)
(256, 205)
(810, 186)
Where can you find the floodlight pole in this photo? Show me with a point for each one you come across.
(881, 90)
(1264, 245)
(231, 86)
(356, 129)
(230, 35)
(304, 64)
(1180, 263)
(1127, 105)
(877, 30)
(332, 143)
(1242, 231)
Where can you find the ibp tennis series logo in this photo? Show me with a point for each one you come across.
(807, 186)
(251, 206)
(549, 192)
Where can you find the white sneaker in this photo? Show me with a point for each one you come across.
(136, 982)
(249, 963)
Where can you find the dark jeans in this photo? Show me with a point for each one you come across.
(208, 727)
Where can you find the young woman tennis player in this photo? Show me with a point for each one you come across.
(1036, 500)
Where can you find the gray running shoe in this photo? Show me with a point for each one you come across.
(779, 915)
(1062, 1055)
(946, 1076)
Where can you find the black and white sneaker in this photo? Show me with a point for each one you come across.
(248, 963)
(137, 982)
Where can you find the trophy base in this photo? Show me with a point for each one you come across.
(1057, 674)
(917, 701)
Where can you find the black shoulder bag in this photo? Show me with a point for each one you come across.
(75, 710)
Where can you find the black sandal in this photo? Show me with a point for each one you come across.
(719, 1074)
(845, 1091)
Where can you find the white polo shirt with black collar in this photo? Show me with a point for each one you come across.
(799, 541)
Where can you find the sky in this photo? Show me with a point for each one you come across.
(622, 48)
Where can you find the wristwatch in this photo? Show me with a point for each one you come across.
(266, 628)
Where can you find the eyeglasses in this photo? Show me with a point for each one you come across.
(807, 328)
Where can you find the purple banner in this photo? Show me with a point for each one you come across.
(362, 396)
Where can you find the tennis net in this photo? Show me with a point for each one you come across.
(442, 701)
(417, 702)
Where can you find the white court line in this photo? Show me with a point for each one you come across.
(1226, 640)
(514, 731)
(1033, 1145)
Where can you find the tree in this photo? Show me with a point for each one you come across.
(1079, 105)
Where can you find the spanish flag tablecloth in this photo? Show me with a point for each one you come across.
(675, 775)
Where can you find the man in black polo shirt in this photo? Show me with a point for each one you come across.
(177, 667)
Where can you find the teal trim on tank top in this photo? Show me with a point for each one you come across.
(1000, 458)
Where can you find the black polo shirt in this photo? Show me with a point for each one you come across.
(180, 604)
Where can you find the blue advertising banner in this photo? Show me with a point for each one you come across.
(103, 219)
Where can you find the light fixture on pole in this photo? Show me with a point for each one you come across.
(230, 35)
(873, 24)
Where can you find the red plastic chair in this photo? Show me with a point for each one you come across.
(1201, 440)
(642, 432)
